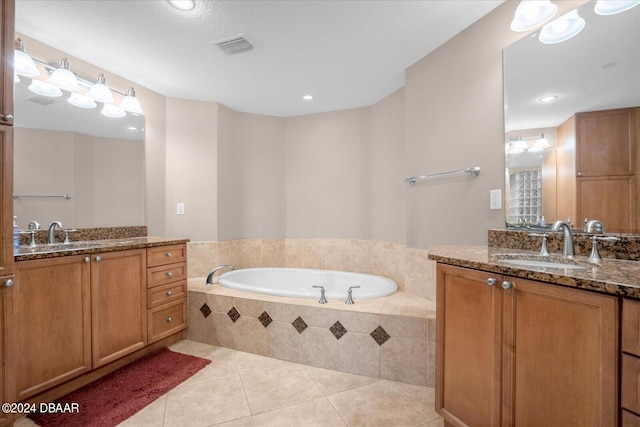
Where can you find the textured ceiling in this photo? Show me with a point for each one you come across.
(346, 53)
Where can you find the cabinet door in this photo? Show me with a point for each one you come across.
(605, 141)
(50, 319)
(560, 359)
(119, 300)
(610, 199)
(7, 34)
(468, 354)
(6, 198)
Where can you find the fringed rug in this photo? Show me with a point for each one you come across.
(120, 394)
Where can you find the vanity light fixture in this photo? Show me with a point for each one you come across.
(562, 29)
(183, 4)
(611, 7)
(45, 89)
(82, 101)
(64, 78)
(540, 145)
(100, 91)
(517, 146)
(112, 111)
(532, 13)
(130, 103)
(23, 64)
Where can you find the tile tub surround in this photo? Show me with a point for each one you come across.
(628, 248)
(409, 268)
(391, 338)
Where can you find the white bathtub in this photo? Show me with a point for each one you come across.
(298, 282)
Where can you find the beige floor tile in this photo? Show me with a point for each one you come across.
(240, 422)
(206, 403)
(332, 382)
(379, 404)
(150, 416)
(248, 362)
(417, 393)
(314, 413)
(277, 388)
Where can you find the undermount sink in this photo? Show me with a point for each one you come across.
(540, 263)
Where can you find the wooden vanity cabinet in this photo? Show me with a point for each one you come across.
(596, 168)
(7, 34)
(166, 290)
(118, 304)
(630, 386)
(51, 323)
(531, 355)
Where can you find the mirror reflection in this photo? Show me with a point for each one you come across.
(597, 70)
(75, 165)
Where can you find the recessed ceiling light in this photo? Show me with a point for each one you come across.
(548, 98)
(307, 97)
(183, 4)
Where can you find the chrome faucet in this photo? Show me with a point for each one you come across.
(567, 236)
(214, 271)
(52, 231)
(349, 295)
(594, 226)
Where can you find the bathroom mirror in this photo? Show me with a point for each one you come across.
(75, 165)
(596, 70)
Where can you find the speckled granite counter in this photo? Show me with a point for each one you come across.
(93, 246)
(611, 276)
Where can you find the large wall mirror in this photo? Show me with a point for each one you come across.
(599, 69)
(75, 165)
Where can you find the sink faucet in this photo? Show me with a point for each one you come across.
(567, 237)
(52, 231)
(594, 226)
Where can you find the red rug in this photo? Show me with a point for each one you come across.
(120, 394)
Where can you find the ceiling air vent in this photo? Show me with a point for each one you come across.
(235, 44)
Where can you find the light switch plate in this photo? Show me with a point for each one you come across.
(495, 199)
(180, 208)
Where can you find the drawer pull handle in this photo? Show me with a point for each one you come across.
(87, 259)
(169, 273)
(169, 255)
(507, 285)
(8, 283)
(491, 281)
(169, 319)
(98, 258)
(169, 293)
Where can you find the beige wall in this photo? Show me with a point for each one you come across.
(191, 169)
(251, 176)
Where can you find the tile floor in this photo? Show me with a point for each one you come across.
(242, 389)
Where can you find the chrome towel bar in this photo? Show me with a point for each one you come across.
(64, 196)
(475, 171)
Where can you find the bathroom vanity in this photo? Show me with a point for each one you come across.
(530, 340)
(78, 313)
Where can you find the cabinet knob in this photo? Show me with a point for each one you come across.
(87, 259)
(507, 285)
(579, 173)
(8, 283)
(98, 258)
(170, 273)
(7, 117)
(491, 281)
(169, 293)
(169, 255)
(169, 319)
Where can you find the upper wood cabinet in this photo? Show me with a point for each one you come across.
(515, 352)
(7, 34)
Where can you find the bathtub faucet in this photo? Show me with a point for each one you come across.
(322, 299)
(214, 271)
(349, 296)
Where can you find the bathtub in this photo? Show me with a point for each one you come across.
(298, 282)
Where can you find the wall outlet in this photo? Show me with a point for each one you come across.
(180, 208)
(495, 199)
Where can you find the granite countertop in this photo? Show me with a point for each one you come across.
(610, 276)
(92, 246)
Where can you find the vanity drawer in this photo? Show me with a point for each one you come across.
(631, 326)
(167, 319)
(162, 255)
(163, 294)
(630, 419)
(163, 274)
(630, 383)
